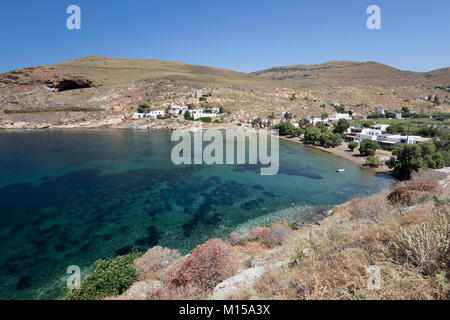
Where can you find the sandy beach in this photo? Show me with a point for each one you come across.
(343, 152)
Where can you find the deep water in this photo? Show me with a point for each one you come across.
(72, 197)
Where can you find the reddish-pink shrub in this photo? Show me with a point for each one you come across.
(414, 191)
(236, 239)
(276, 234)
(256, 234)
(208, 265)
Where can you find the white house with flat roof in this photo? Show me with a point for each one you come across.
(178, 110)
(338, 116)
(155, 113)
(198, 113)
(316, 120)
(369, 134)
(137, 116)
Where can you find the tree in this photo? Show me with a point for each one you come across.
(339, 109)
(412, 157)
(286, 129)
(405, 110)
(324, 116)
(353, 145)
(221, 110)
(303, 123)
(341, 126)
(373, 162)
(143, 108)
(187, 115)
(331, 139)
(391, 115)
(313, 134)
(368, 148)
(407, 158)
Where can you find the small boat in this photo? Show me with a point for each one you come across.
(341, 170)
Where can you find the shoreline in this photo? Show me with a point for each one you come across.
(343, 152)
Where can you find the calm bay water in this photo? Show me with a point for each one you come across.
(72, 197)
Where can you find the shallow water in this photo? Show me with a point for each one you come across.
(72, 197)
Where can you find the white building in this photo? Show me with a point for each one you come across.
(369, 134)
(380, 111)
(314, 121)
(198, 113)
(178, 110)
(155, 113)
(338, 116)
(197, 93)
(386, 139)
(137, 116)
(380, 126)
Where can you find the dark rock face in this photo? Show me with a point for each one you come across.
(66, 84)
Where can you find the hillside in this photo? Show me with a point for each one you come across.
(104, 92)
(116, 71)
(353, 73)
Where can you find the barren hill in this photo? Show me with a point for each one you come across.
(353, 73)
(100, 91)
(115, 71)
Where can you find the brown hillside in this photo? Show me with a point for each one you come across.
(353, 73)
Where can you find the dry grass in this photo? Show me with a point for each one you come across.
(409, 245)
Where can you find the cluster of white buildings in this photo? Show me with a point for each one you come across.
(178, 110)
(195, 113)
(199, 113)
(150, 115)
(377, 133)
(332, 118)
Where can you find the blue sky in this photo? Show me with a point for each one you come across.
(245, 35)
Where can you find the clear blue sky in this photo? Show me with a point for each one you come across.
(245, 35)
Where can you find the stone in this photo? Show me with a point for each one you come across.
(241, 280)
(140, 289)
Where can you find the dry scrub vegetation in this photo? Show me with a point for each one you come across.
(405, 233)
(410, 245)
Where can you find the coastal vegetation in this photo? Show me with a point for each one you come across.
(412, 157)
(368, 148)
(109, 278)
(353, 145)
(144, 108)
(373, 162)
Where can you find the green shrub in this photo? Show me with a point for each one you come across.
(187, 115)
(368, 148)
(286, 128)
(205, 119)
(373, 162)
(144, 108)
(353, 145)
(110, 278)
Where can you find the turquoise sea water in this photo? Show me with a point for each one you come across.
(72, 197)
